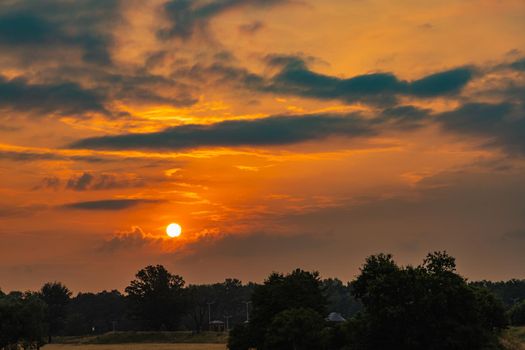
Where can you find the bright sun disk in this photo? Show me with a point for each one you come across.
(173, 230)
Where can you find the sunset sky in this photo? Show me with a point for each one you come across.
(277, 133)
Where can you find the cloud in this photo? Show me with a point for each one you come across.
(277, 130)
(251, 28)
(51, 182)
(89, 181)
(518, 65)
(295, 78)
(52, 26)
(80, 183)
(499, 125)
(61, 98)
(188, 16)
(109, 204)
(29, 156)
(126, 240)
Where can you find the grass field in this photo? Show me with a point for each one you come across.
(134, 346)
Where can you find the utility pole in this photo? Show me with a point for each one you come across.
(247, 310)
(227, 317)
(209, 312)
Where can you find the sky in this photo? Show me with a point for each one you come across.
(277, 133)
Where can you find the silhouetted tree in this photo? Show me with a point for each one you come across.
(156, 297)
(22, 320)
(101, 310)
(517, 314)
(56, 296)
(339, 297)
(299, 289)
(295, 329)
(425, 307)
(510, 292)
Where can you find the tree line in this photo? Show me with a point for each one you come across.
(428, 306)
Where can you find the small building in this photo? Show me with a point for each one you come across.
(217, 326)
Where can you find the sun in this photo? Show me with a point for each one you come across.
(173, 230)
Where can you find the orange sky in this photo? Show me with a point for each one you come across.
(278, 133)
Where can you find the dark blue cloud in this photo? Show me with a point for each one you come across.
(188, 16)
(64, 98)
(296, 78)
(499, 125)
(275, 130)
(443, 83)
(55, 25)
(518, 65)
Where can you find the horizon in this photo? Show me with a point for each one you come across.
(226, 138)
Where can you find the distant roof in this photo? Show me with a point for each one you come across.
(335, 317)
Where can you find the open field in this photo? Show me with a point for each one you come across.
(142, 341)
(135, 346)
(147, 337)
(513, 339)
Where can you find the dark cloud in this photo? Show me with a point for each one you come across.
(518, 65)
(109, 204)
(277, 130)
(251, 28)
(188, 16)
(51, 182)
(80, 183)
(499, 125)
(88, 181)
(295, 78)
(51, 26)
(62, 98)
(27, 156)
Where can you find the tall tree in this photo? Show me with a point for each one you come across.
(56, 296)
(299, 289)
(156, 297)
(22, 320)
(426, 307)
